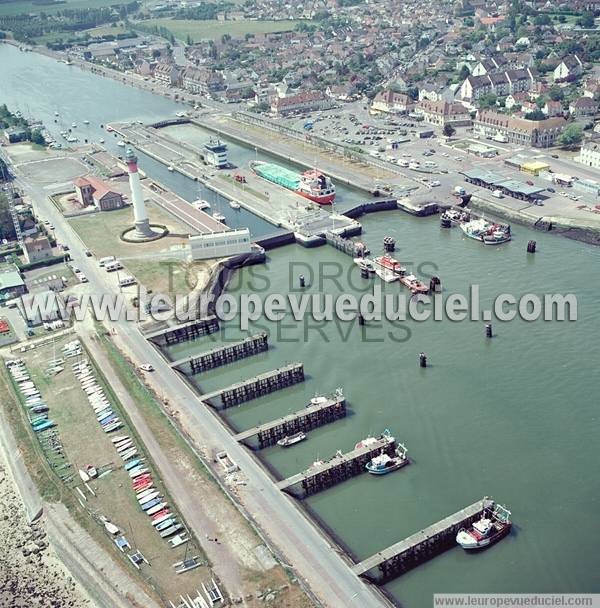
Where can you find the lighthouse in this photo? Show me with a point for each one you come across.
(142, 223)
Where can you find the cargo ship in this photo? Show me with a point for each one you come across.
(311, 184)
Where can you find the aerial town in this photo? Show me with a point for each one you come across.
(298, 303)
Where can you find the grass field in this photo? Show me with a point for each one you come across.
(26, 6)
(200, 30)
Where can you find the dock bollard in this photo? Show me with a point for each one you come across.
(364, 273)
(389, 244)
(435, 285)
(422, 360)
(302, 280)
(445, 221)
(531, 246)
(361, 319)
(488, 330)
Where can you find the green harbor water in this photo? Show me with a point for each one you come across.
(515, 417)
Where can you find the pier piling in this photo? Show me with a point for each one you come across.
(488, 330)
(184, 332)
(531, 245)
(422, 360)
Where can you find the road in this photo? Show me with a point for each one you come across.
(276, 514)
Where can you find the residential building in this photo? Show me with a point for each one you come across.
(11, 283)
(442, 113)
(552, 108)
(202, 80)
(167, 74)
(589, 154)
(568, 69)
(36, 249)
(300, 102)
(584, 106)
(501, 84)
(93, 191)
(536, 133)
(391, 102)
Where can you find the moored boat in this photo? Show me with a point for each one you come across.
(219, 217)
(290, 440)
(415, 285)
(493, 525)
(389, 263)
(388, 276)
(365, 264)
(234, 205)
(384, 463)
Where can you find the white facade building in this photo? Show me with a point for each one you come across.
(590, 154)
(220, 244)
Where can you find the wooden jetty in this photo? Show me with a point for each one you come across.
(418, 548)
(313, 416)
(339, 468)
(222, 355)
(260, 385)
(184, 332)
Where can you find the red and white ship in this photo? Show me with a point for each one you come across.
(389, 263)
(411, 282)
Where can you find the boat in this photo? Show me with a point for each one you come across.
(92, 471)
(84, 476)
(389, 263)
(55, 113)
(386, 275)
(367, 441)
(313, 184)
(219, 217)
(497, 236)
(201, 204)
(365, 264)
(73, 125)
(290, 440)
(475, 229)
(121, 144)
(234, 205)
(180, 114)
(493, 525)
(384, 463)
(111, 528)
(486, 232)
(86, 122)
(102, 140)
(170, 168)
(156, 509)
(415, 285)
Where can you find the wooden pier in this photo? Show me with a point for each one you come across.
(311, 417)
(418, 548)
(339, 468)
(222, 355)
(258, 386)
(184, 332)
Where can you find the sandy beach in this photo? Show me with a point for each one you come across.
(31, 575)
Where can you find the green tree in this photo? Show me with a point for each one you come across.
(464, 72)
(37, 137)
(586, 20)
(556, 93)
(7, 229)
(487, 101)
(537, 114)
(449, 130)
(571, 137)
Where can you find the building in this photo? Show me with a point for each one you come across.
(508, 186)
(40, 307)
(552, 109)
(11, 283)
(501, 84)
(167, 74)
(14, 135)
(391, 102)
(220, 244)
(589, 155)
(202, 81)
(568, 69)
(215, 153)
(93, 191)
(587, 187)
(36, 249)
(442, 113)
(536, 133)
(584, 106)
(306, 101)
(534, 167)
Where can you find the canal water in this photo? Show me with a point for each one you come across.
(515, 417)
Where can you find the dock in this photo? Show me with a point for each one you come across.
(222, 355)
(260, 385)
(311, 417)
(183, 332)
(339, 468)
(418, 548)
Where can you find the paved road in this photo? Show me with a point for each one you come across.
(302, 545)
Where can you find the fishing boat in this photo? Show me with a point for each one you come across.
(388, 276)
(497, 235)
(234, 205)
(475, 229)
(493, 525)
(387, 262)
(384, 463)
(290, 440)
(367, 441)
(365, 264)
(415, 285)
(313, 184)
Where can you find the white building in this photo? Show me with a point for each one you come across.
(589, 154)
(40, 307)
(220, 244)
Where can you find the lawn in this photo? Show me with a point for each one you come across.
(27, 6)
(199, 30)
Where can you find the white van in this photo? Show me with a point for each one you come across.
(102, 262)
(112, 266)
(127, 281)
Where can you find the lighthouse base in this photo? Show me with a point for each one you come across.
(142, 232)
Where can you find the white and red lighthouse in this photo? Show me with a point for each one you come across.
(142, 223)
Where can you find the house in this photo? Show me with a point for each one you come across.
(436, 92)
(93, 191)
(202, 80)
(584, 106)
(536, 133)
(589, 154)
(36, 249)
(501, 84)
(552, 108)
(442, 113)
(11, 283)
(390, 102)
(341, 92)
(568, 69)
(305, 101)
(591, 89)
(167, 74)
(15, 135)
(489, 64)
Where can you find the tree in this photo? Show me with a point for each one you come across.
(464, 72)
(586, 20)
(487, 101)
(571, 137)
(7, 229)
(537, 114)
(542, 20)
(37, 137)
(189, 40)
(556, 93)
(449, 130)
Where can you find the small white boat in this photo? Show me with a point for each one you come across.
(365, 264)
(84, 476)
(201, 204)
(121, 144)
(55, 113)
(290, 440)
(234, 205)
(111, 528)
(219, 217)
(170, 168)
(73, 125)
(86, 122)
(102, 140)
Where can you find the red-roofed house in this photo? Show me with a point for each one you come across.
(92, 191)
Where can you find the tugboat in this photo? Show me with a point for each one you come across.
(494, 524)
(290, 440)
(384, 464)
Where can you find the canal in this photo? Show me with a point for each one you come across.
(515, 417)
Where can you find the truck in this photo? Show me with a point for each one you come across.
(497, 193)
(500, 138)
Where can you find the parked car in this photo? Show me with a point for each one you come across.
(529, 182)
(147, 367)
(551, 189)
(88, 253)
